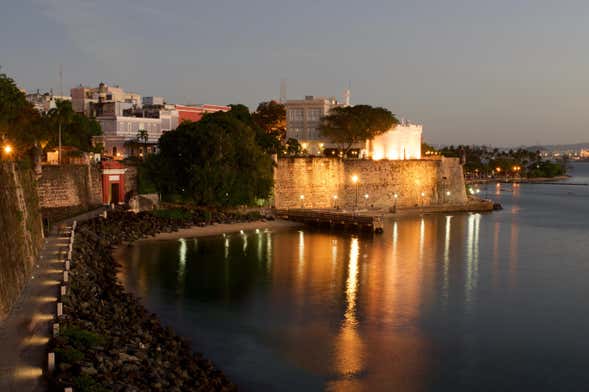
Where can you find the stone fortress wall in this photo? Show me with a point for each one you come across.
(417, 183)
(66, 190)
(21, 231)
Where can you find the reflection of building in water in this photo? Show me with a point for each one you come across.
(378, 289)
(182, 250)
(472, 257)
(349, 348)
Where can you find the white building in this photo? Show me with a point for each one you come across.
(44, 102)
(303, 117)
(118, 130)
(400, 142)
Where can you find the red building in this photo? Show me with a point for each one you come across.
(113, 182)
(195, 113)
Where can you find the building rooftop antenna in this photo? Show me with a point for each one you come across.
(347, 94)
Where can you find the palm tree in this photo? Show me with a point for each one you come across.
(142, 136)
(62, 114)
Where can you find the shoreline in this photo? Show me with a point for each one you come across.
(220, 228)
(107, 337)
(535, 180)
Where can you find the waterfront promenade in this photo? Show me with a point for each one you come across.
(25, 332)
(27, 329)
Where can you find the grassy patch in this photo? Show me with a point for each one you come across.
(68, 355)
(173, 213)
(81, 338)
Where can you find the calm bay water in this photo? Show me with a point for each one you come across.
(463, 302)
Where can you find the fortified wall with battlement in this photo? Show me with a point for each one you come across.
(318, 182)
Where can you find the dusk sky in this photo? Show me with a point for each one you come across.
(472, 72)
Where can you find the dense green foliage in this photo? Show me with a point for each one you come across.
(20, 124)
(293, 147)
(482, 161)
(348, 125)
(271, 118)
(216, 161)
(25, 128)
(77, 130)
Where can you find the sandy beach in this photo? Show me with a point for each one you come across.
(197, 231)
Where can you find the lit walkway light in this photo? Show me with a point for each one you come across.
(7, 149)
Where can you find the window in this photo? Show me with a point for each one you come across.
(313, 114)
(295, 114)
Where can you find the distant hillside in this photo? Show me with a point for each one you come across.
(560, 147)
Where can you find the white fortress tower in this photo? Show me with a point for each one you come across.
(398, 143)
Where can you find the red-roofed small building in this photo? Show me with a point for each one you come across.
(196, 112)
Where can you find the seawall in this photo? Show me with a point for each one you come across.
(21, 231)
(327, 182)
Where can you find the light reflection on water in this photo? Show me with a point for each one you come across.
(462, 302)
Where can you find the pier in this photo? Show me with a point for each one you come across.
(338, 220)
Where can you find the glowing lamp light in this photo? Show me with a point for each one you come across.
(7, 149)
(448, 193)
(302, 197)
(334, 197)
(366, 196)
(354, 178)
(395, 196)
(422, 194)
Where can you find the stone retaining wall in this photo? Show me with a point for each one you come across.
(65, 190)
(21, 231)
(319, 180)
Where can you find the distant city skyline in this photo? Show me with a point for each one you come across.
(498, 73)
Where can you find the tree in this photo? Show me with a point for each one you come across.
(143, 137)
(61, 115)
(349, 125)
(75, 129)
(293, 147)
(215, 161)
(20, 124)
(271, 118)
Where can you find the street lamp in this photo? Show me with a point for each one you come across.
(334, 201)
(366, 199)
(302, 197)
(355, 181)
(7, 149)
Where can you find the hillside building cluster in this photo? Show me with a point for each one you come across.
(124, 115)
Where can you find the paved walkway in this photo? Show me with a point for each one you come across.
(25, 332)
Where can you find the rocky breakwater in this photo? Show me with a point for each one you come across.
(108, 341)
